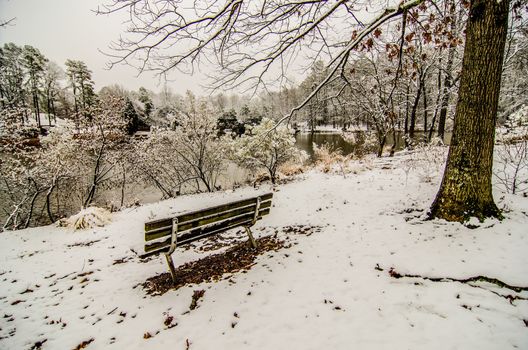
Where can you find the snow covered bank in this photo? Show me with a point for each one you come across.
(331, 289)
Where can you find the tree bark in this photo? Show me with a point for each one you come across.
(406, 124)
(438, 97)
(414, 109)
(425, 113)
(466, 186)
(48, 201)
(445, 94)
(36, 104)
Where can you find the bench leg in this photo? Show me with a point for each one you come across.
(171, 267)
(251, 238)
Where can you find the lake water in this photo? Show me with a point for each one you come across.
(305, 141)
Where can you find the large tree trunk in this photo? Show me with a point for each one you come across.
(466, 185)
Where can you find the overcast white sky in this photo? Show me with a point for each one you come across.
(69, 29)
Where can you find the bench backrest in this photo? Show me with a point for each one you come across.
(198, 224)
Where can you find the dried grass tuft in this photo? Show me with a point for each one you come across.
(87, 218)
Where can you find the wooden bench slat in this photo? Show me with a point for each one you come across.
(205, 231)
(240, 220)
(204, 220)
(161, 223)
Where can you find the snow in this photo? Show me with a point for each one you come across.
(323, 292)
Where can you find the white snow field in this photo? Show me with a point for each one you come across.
(65, 289)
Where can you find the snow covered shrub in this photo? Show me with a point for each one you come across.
(30, 177)
(511, 162)
(266, 148)
(90, 217)
(68, 169)
(15, 127)
(95, 148)
(19, 188)
(202, 152)
(158, 163)
(189, 157)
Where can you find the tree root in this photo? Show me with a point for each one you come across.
(394, 274)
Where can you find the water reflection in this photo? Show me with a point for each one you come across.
(306, 141)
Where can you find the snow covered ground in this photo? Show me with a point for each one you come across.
(61, 289)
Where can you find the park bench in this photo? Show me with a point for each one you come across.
(164, 235)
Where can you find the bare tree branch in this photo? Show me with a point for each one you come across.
(388, 14)
(5, 23)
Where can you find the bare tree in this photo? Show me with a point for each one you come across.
(515, 70)
(249, 41)
(511, 166)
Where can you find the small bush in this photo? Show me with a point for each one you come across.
(291, 169)
(328, 159)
